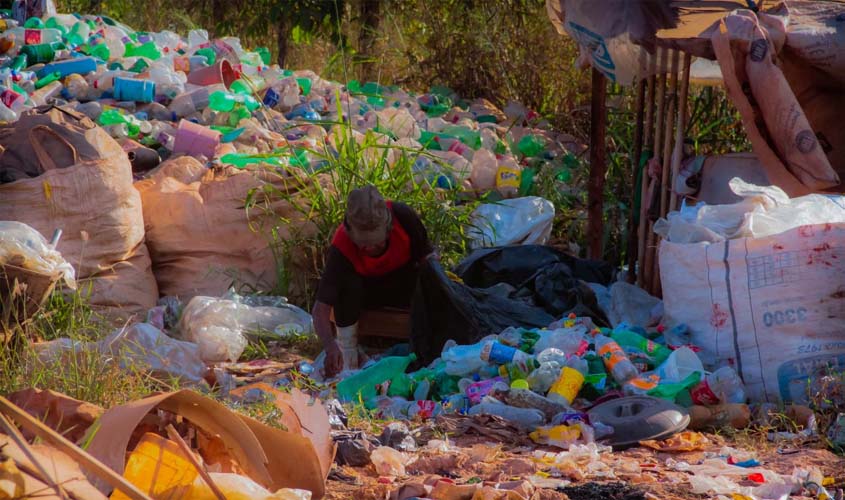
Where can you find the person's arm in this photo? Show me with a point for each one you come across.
(321, 315)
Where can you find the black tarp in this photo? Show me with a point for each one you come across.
(524, 286)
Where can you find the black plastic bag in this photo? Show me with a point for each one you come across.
(443, 309)
(518, 263)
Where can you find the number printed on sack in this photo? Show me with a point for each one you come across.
(785, 317)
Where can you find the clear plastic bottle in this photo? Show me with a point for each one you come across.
(523, 398)
(721, 386)
(191, 102)
(13, 99)
(615, 360)
(526, 417)
(569, 340)
(46, 93)
(463, 359)
(77, 86)
(197, 38)
(92, 109)
(542, 378)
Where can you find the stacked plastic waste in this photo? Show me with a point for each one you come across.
(218, 101)
(546, 379)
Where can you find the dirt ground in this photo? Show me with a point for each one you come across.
(636, 473)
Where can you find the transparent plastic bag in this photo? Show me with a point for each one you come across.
(518, 221)
(23, 246)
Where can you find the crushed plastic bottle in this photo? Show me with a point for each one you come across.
(721, 386)
(526, 417)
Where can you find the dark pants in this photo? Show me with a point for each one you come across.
(394, 289)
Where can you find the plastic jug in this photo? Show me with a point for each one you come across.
(158, 467)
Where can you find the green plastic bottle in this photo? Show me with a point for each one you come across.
(148, 50)
(364, 384)
(242, 160)
(226, 101)
(531, 145)
(304, 85)
(656, 352)
(264, 52)
(34, 23)
(115, 117)
(471, 138)
(46, 80)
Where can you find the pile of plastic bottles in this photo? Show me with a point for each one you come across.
(543, 379)
(216, 100)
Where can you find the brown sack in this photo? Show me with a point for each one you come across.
(86, 191)
(774, 121)
(202, 240)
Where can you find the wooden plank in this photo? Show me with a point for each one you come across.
(648, 141)
(648, 268)
(598, 165)
(186, 450)
(678, 152)
(633, 230)
(82, 457)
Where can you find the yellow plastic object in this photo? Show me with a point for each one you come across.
(159, 468)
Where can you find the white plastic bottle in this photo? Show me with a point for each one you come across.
(526, 417)
(6, 114)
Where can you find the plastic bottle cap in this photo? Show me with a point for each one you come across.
(519, 384)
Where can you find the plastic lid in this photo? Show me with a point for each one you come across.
(640, 418)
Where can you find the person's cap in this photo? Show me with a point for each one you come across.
(367, 216)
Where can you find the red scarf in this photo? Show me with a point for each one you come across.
(397, 254)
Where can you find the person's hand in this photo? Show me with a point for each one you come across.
(334, 359)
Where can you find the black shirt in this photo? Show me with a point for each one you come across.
(339, 268)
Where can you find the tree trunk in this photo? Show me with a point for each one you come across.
(283, 30)
(218, 14)
(370, 11)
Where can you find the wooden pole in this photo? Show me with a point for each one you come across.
(658, 143)
(84, 458)
(648, 142)
(678, 152)
(668, 132)
(186, 450)
(20, 441)
(598, 165)
(633, 229)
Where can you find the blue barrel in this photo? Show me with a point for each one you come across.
(80, 65)
(128, 89)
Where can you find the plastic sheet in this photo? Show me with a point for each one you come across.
(518, 221)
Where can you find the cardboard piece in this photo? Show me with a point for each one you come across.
(271, 457)
(69, 417)
(62, 467)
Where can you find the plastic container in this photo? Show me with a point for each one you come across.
(363, 384)
(127, 89)
(477, 390)
(617, 363)
(12, 99)
(525, 417)
(497, 353)
(679, 365)
(569, 383)
(39, 53)
(79, 65)
(226, 101)
(27, 36)
(221, 72)
(158, 466)
(191, 102)
(196, 140)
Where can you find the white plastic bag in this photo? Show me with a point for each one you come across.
(237, 487)
(23, 246)
(389, 462)
(143, 345)
(764, 211)
(518, 221)
(218, 325)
